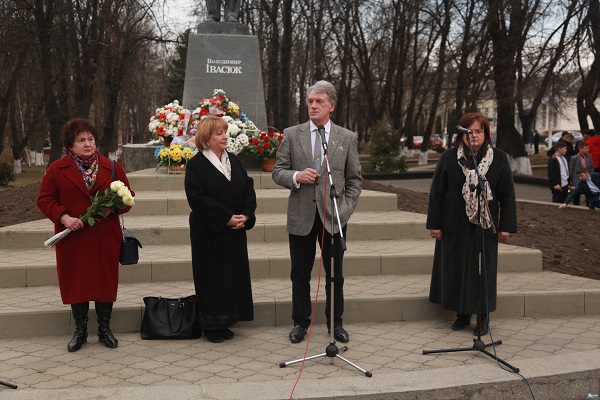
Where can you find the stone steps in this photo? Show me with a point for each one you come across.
(174, 229)
(37, 267)
(38, 311)
(387, 266)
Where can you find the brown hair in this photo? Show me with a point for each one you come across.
(466, 121)
(582, 170)
(74, 127)
(582, 144)
(206, 127)
(559, 145)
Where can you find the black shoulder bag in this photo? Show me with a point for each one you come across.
(129, 246)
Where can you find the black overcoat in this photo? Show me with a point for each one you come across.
(219, 253)
(454, 280)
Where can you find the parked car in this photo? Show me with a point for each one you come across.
(417, 141)
(436, 141)
(557, 135)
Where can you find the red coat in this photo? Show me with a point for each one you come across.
(594, 143)
(87, 260)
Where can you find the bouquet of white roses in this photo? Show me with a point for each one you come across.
(118, 196)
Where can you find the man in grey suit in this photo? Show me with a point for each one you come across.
(300, 168)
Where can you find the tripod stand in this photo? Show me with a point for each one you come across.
(478, 344)
(10, 385)
(331, 351)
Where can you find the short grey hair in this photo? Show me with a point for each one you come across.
(324, 87)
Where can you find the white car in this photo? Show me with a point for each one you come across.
(557, 135)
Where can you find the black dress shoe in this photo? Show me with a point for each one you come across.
(226, 333)
(462, 321)
(340, 334)
(297, 334)
(213, 335)
(482, 326)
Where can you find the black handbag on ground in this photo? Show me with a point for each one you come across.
(170, 318)
(129, 254)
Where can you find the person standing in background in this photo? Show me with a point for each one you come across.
(558, 173)
(581, 159)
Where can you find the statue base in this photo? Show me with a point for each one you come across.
(222, 28)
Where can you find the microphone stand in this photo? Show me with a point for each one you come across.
(10, 385)
(331, 350)
(478, 344)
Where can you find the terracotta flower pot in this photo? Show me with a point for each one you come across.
(268, 164)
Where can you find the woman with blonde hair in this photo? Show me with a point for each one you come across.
(222, 198)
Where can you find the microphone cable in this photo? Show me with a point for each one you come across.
(314, 309)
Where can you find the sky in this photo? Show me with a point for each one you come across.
(178, 14)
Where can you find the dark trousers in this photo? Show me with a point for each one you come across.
(302, 253)
(559, 196)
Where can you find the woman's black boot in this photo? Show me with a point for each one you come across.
(104, 311)
(462, 321)
(80, 314)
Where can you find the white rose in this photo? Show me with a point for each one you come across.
(116, 185)
(227, 119)
(122, 191)
(128, 200)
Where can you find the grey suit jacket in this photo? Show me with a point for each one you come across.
(575, 164)
(295, 154)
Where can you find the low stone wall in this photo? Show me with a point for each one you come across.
(141, 156)
(138, 156)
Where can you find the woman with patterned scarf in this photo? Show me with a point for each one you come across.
(87, 260)
(465, 202)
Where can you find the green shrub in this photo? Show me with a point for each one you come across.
(6, 174)
(384, 149)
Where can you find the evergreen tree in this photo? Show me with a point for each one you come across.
(176, 71)
(384, 149)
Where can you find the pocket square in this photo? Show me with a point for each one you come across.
(340, 148)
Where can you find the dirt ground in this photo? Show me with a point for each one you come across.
(567, 238)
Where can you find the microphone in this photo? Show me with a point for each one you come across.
(460, 129)
(321, 130)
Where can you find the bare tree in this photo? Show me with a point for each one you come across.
(590, 79)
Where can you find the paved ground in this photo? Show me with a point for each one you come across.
(248, 365)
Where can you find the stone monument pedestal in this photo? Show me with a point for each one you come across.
(227, 61)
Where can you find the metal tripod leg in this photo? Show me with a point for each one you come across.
(10, 385)
(331, 352)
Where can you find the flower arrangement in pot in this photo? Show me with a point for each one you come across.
(220, 105)
(264, 145)
(174, 157)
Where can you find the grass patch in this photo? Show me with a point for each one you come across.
(28, 176)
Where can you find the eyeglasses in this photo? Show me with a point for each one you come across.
(479, 132)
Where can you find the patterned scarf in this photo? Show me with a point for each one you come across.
(88, 166)
(477, 211)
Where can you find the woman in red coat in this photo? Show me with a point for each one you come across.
(87, 260)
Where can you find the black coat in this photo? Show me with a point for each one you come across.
(454, 280)
(219, 253)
